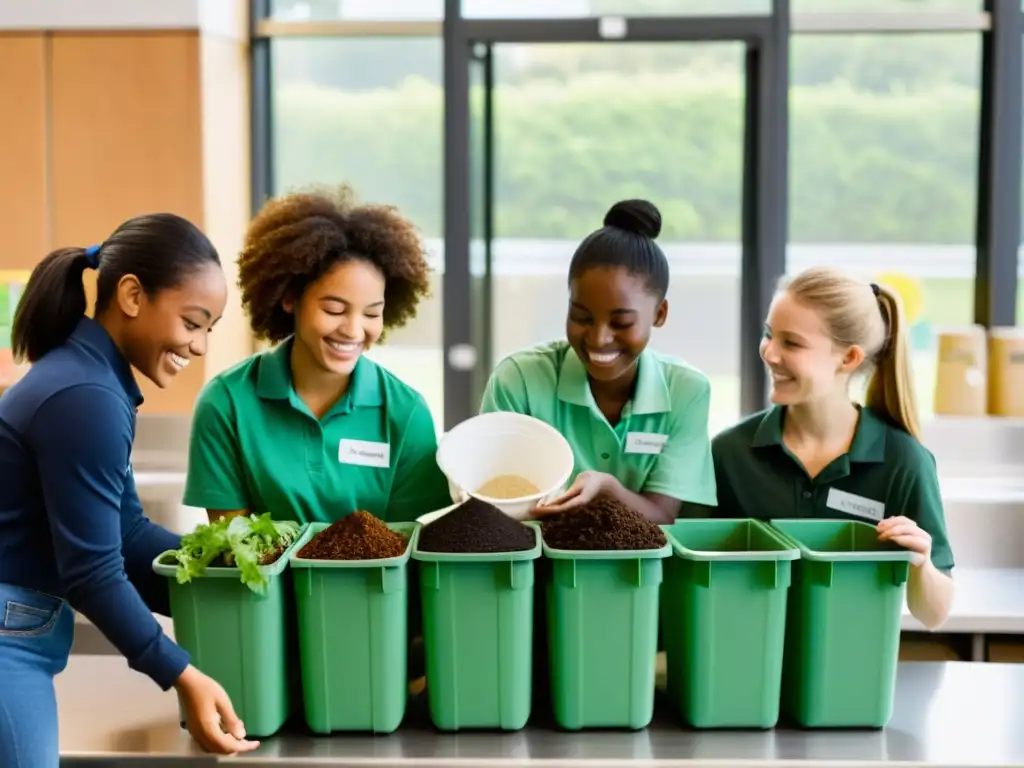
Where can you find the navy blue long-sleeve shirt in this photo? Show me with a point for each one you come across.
(71, 523)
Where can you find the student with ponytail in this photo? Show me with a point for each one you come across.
(73, 536)
(816, 453)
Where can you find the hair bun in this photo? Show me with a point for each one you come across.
(639, 216)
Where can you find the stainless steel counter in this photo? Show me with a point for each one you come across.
(947, 714)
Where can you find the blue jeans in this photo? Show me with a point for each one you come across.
(36, 632)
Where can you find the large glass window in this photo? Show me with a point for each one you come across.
(561, 9)
(357, 10)
(368, 112)
(416, 10)
(876, 6)
(578, 127)
(884, 164)
(884, 143)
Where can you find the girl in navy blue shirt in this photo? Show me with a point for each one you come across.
(73, 535)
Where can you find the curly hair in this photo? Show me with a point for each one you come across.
(295, 239)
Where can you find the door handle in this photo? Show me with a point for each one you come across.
(462, 357)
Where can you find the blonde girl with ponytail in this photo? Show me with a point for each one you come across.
(817, 453)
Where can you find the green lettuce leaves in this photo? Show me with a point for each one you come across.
(243, 542)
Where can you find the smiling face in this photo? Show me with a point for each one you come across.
(804, 363)
(611, 314)
(340, 316)
(166, 331)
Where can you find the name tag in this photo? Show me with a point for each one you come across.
(364, 454)
(853, 504)
(645, 442)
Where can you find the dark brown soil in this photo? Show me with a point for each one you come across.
(227, 560)
(359, 536)
(602, 524)
(271, 557)
(476, 527)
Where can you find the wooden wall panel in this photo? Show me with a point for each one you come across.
(126, 140)
(23, 173)
(227, 184)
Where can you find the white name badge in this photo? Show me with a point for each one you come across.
(364, 454)
(645, 442)
(853, 504)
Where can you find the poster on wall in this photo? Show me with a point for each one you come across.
(12, 283)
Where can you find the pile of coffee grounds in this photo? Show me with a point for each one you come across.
(604, 523)
(359, 536)
(476, 526)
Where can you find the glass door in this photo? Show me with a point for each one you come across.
(550, 122)
(560, 133)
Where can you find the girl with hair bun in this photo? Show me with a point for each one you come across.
(637, 420)
(816, 453)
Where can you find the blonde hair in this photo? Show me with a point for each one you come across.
(856, 312)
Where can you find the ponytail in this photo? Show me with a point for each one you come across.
(160, 250)
(890, 390)
(870, 316)
(52, 304)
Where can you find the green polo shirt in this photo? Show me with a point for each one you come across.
(660, 444)
(256, 446)
(887, 473)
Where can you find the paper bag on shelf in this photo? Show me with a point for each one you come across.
(961, 374)
(1006, 371)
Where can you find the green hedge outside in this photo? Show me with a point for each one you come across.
(865, 167)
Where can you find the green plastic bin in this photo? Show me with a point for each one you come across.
(843, 624)
(723, 613)
(478, 635)
(243, 640)
(602, 624)
(353, 637)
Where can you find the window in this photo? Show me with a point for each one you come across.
(561, 9)
(368, 112)
(578, 127)
(883, 6)
(357, 10)
(883, 157)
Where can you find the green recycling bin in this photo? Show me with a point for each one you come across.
(843, 624)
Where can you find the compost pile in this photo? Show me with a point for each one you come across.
(359, 536)
(476, 527)
(604, 523)
(245, 542)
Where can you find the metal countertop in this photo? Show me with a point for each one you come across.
(946, 714)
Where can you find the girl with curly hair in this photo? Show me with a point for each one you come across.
(313, 430)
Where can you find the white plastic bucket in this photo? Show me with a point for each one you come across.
(492, 444)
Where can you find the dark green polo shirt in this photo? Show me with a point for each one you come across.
(887, 473)
(256, 446)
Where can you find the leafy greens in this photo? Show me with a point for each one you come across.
(243, 542)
